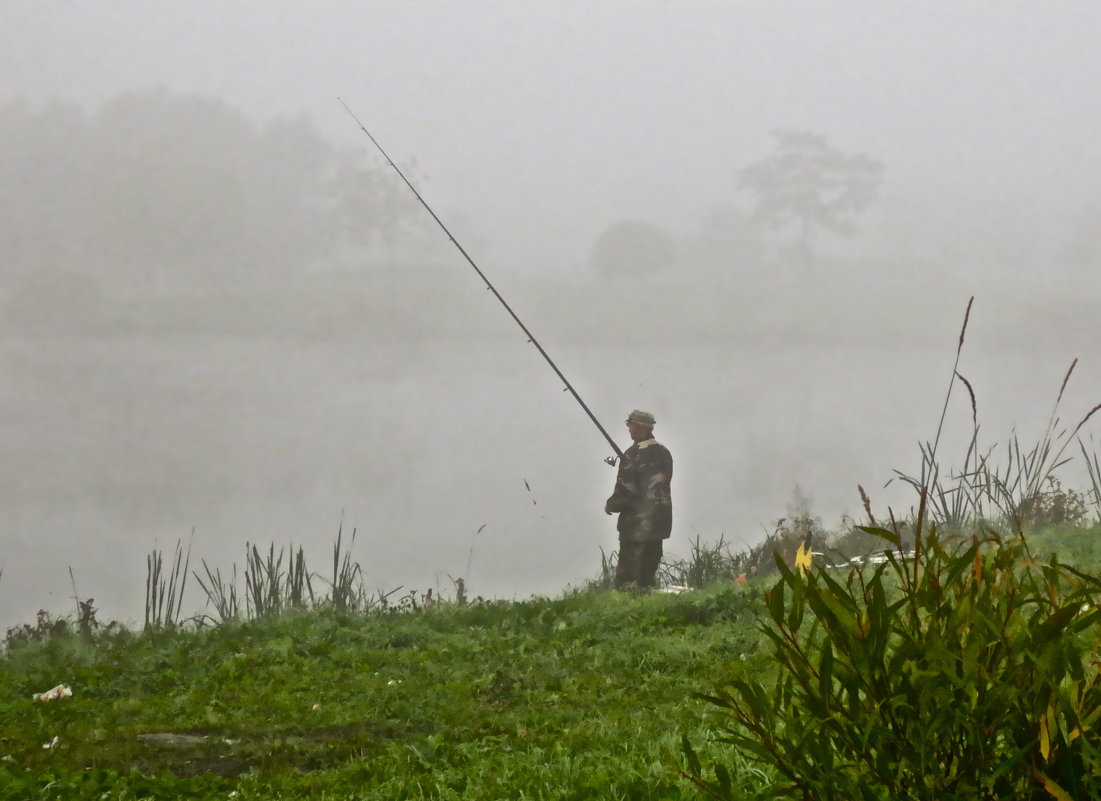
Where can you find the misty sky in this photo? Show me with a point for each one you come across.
(545, 121)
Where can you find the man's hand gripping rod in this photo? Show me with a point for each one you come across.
(531, 338)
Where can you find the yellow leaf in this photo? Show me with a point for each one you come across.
(802, 559)
(1045, 739)
(1054, 790)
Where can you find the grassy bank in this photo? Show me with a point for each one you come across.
(586, 696)
(589, 695)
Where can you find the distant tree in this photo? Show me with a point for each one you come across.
(810, 184)
(173, 187)
(157, 189)
(371, 204)
(632, 248)
(288, 194)
(191, 188)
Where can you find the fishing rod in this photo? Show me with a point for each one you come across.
(531, 337)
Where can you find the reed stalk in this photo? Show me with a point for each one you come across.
(164, 592)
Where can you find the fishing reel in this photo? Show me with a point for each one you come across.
(610, 461)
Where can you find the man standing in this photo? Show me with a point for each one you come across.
(642, 500)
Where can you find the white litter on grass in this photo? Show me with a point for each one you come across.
(53, 694)
(52, 743)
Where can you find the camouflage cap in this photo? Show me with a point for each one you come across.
(642, 418)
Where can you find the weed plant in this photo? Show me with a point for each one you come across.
(967, 674)
(271, 589)
(706, 565)
(1020, 493)
(45, 627)
(967, 671)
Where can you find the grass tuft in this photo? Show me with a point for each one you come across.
(164, 592)
(220, 593)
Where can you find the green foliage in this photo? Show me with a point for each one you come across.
(44, 628)
(1075, 544)
(271, 589)
(966, 673)
(1054, 505)
(707, 564)
(583, 696)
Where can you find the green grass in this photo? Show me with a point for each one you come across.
(586, 696)
(1079, 546)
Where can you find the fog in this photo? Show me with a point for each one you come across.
(226, 321)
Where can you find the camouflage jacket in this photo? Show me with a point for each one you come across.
(641, 496)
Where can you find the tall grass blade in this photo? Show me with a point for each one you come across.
(164, 593)
(347, 575)
(220, 594)
(1093, 468)
(261, 597)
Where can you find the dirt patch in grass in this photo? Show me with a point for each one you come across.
(190, 754)
(228, 755)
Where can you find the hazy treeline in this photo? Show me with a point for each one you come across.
(215, 223)
(159, 190)
(168, 198)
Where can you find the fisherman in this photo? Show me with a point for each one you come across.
(642, 500)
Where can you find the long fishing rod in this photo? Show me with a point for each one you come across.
(531, 337)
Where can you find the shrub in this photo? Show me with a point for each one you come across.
(968, 672)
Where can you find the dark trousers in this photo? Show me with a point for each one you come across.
(638, 562)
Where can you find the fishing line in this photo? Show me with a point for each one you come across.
(531, 338)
